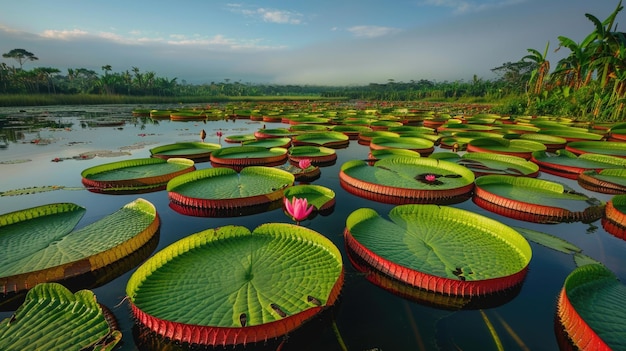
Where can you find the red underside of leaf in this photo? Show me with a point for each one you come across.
(614, 220)
(455, 287)
(601, 186)
(153, 182)
(576, 329)
(532, 212)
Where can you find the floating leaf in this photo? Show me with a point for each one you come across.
(549, 241)
(52, 318)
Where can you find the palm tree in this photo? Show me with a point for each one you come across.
(542, 68)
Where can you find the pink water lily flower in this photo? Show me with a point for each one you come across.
(298, 208)
(304, 163)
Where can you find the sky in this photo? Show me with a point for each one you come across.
(302, 42)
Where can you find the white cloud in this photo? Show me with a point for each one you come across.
(63, 34)
(269, 15)
(372, 31)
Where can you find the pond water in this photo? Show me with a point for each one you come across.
(367, 317)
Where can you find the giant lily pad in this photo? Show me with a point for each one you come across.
(403, 179)
(318, 155)
(614, 220)
(612, 148)
(334, 140)
(572, 134)
(535, 200)
(488, 163)
(607, 181)
(439, 248)
(244, 156)
(40, 246)
(590, 309)
(52, 318)
(279, 276)
(514, 147)
(134, 176)
(222, 191)
(269, 143)
(569, 165)
(196, 151)
(423, 146)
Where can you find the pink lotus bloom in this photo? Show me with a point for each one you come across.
(298, 208)
(219, 133)
(430, 177)
(304, 163)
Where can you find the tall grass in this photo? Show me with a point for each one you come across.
(92, 99)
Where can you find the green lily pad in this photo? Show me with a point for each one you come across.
(239, 138)
(612, 148)
(40, 245)
(569, 165)
(320, 197)
(243, 156)
(607, 181)
(329, 139)
(224, 190)
(52, 318)
(318, 155)
(535, 200)
(440, 248)
(513, 147)
(138, 175)
(402, 179)
(279, 276)
(591, 310)
(490, 163)
(269, 143)
(423, 146)
(196, 151)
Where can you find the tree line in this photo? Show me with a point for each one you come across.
(590, 82)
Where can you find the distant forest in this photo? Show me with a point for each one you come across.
(589, 83)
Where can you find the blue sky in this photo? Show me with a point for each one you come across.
(321, 42)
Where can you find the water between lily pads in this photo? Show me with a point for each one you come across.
(367, 316)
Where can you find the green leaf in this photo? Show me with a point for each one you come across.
(549, 241)
(52, 318)
(276, 265)
(39, 242)
(442, 241)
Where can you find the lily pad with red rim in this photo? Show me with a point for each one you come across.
(270, 142)
(222, 191)
(614, 219)
(239, 157)
(512, 147)
(134, 176)
(41, 245)
(487, 163)
(318, 155)
(612, 148)
(535, 200)
(566, 164)
(590, 311)
(423, 146)
(196, 151)
(322, 198)
(401, 179)
(280, 276)
(607, 181)
(439, 248)
(330, 139)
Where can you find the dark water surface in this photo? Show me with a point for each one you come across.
(367, 316)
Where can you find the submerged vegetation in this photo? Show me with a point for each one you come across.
(588, 83)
